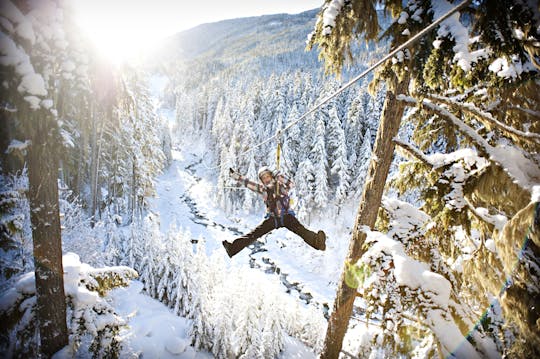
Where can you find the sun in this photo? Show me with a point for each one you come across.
(121, 30)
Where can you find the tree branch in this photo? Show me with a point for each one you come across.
(522, 170)
(415, 152)
(486, 117)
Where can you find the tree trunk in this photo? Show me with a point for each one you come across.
(93, 164)
(45, 219)
(370, 202)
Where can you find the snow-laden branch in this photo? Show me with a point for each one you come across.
(330, 14)
(486, 117)
(497, 221)
(528, 111)
(412, 150)
(523, 171)
(435, 288)
(18, 146)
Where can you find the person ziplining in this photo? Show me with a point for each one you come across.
(274, 188)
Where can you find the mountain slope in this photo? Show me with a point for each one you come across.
(259, 45)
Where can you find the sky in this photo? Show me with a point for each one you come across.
(121, 28)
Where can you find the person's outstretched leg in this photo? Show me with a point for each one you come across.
(316, 240)
(242, 242)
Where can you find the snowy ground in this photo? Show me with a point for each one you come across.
(154, 331)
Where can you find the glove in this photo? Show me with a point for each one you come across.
(231, 171)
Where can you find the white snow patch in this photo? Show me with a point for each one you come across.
(497, 220)
(518, 33)
(330, 14)
(8, 299)
(405, 219)
(535, 197)
(176, 345)
(414, 274)
(457, 265)
(505, 69)
(408, 271)
(469, 156)
(152, 331)
(26, 284)
(453, 344)
(402, 18)
(490, 245)
(68, 66)
(17, 145)
(47, 103)
(23, 26)
(33, 84)
(521, 169)
(453, 28)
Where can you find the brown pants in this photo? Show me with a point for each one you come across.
(289, 221)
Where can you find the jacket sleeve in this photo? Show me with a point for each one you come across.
(284, 181)
(254, 186)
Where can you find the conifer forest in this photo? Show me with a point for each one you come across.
(155, 207)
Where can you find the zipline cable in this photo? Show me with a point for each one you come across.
(324, 101)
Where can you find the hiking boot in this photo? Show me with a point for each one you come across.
(228, 248)
(320, 240)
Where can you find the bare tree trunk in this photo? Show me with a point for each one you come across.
(379, 166)
(97, 140)
(93, 164)
(45, 219)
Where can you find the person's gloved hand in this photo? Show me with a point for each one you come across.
(231, 171)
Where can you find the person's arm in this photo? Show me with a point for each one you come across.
(254, 186)
(284, 182)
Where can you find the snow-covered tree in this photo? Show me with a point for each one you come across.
(361, 164)
(337, 156)
(320, 170)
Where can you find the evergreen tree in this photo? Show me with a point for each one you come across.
(320, 160)
(362, 164)
(305, 185)
(337, 151)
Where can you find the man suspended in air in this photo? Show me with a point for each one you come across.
(275, 189)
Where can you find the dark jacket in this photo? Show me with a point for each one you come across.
(276, 205)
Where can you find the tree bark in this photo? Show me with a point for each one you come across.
(45, 220)
(370, 202)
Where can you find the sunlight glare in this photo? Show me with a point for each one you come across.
(121, 30)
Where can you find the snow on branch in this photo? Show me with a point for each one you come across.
(108, 278)
(452, 28)
(498, 220)
(486, 117)
(412, 150)
(329, 15)
(19, 23)
(438, 160)
(434, 290)
(18, 146)
(523, 171)
(405, 220)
